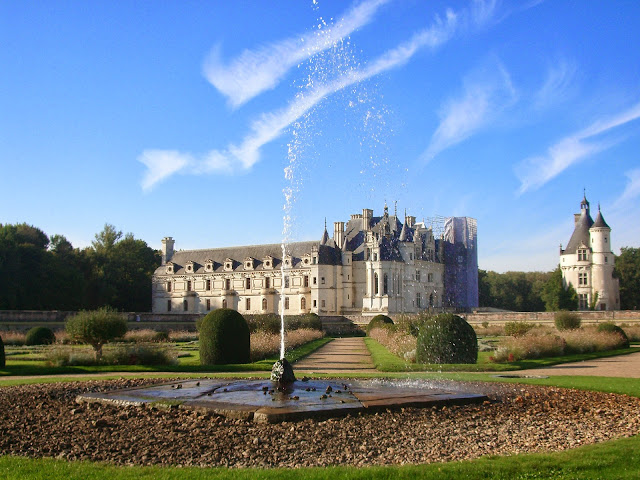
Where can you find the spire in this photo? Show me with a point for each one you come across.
(600, 222)
(403, 233)
(325, 235)
(584, 204)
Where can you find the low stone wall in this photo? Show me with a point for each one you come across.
(499, 318)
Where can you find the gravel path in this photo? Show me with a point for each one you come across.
(44, 421)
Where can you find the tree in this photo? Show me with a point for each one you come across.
(627, 269)
(517, 291)
(106, 239)
(96, 328)
(556, 297)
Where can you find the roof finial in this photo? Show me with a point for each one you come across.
(325, 223)
(598, 206)
(395, 208)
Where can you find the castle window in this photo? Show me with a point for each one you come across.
(168, 286)
(322, 280)
(315, 280)
(264, 304)
(185, 306)
(385, 284)
(286, 282)
(306, 281)
(248, 284)
(315, 303)
(208, 287)
(224, 303)
(375, 257)
(188, 285)
(208, 304)
(375, 284)
(606, 259)
(429, 277)
(582, 279)
(247, 304)
(267, 282)
(583, 301)
(418, 300)
(323, 304)
(286, 303)
(227, 284)
(168, 305)
(303, 303)
(582, 254)
(417, 275)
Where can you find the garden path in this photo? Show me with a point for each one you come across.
(341, 355)
(626, 366)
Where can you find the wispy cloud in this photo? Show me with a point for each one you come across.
(632, 189)
(256, 71)
(535, 171)
(270, 126)
(484, 95)
(162, 164)
(557, 85)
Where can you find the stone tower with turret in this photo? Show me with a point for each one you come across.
(587, 262)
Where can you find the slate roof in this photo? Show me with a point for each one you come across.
(600, 223)
(326, 256)
(580, 234)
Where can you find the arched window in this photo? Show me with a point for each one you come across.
(385, 284)
(224, 303)
(375, 284)
(264, 304)
(185, 305)
(303, 303)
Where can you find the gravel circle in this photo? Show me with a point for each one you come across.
(43, 420)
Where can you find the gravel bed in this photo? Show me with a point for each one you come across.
(44, 421)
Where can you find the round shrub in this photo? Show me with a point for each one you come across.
(379, 321)
(224, 338)
(565, 320)
(609, 327)
(446, 338)
(40, 336)
(2, 357)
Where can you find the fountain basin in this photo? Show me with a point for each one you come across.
(260, 400)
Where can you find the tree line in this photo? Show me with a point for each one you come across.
(38, 272)
(543, 291)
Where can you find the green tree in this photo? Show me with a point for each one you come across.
(627, 270)
(96, 328)
(517, 291)
(556, 297)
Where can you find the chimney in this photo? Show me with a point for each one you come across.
(366, 218)
(411, 221)
(167, 249)
(338, 233)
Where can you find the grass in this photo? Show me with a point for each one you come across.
(385, 361)
(189, 364)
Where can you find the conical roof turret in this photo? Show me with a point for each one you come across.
(600, 222)
(404, 235)
(325, 235)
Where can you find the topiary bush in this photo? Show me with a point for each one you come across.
(40, 336)
(96, 327)
(517, 329)
(263, 322)
(609, 327)
(446, 338)
(565, 320)
(3, 362)
(224, 338)
(378, 321)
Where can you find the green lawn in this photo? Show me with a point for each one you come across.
(386, 361)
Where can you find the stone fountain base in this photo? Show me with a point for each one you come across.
(261, 400)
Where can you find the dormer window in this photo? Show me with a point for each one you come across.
(287, 261)
(306, 259)
(208, 265)
(228, 265)
(189, 267)
(582, 254)
(248, 263)
(268, 262)
(170, 268)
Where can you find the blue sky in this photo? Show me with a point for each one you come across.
(199, 120)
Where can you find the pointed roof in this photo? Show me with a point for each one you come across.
(325, 235)
(600, 223)
(580, 234)
(404, 236)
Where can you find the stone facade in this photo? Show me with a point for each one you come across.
(371, 265)
(587, 263)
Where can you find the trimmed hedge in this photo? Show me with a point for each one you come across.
(40, 336)
(613, 328)
(224, 338)
(270, 322)
(446, 338)
(378, 321)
